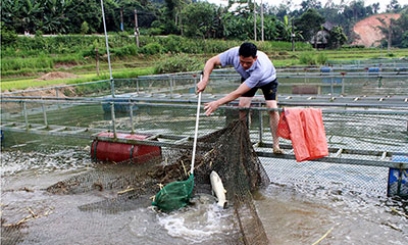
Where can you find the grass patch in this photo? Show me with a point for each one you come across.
(13, 85)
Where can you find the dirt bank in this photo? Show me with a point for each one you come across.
(368, 32)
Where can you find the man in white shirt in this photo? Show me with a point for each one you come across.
(257, 71)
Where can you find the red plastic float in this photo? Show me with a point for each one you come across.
(106, 150)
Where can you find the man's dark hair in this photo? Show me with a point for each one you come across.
(248, 49)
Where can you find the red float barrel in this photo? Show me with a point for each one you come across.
(106, 148)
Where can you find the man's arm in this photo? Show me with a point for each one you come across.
(213, 105)
(208, 68)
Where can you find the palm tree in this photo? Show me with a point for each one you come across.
(29, 12)
(54, 19)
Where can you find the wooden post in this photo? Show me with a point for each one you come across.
(121, 20)
(97, 61)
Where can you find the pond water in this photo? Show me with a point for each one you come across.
(293, 209)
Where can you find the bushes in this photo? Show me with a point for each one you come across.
(321, 59)
(151, 49)
(39, 53)
(129, 50)
(8, 37)
(178, 63)
(310, 58)
(123, 44)
(42, 62)
(347, 47)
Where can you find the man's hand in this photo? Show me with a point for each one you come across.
(210, 107)
(201, 86)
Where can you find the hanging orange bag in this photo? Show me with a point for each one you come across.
(304, 127)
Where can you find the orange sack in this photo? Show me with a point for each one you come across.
(304, 127)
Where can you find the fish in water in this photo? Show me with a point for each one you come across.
(218, 189)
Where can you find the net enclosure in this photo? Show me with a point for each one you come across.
(227, 151)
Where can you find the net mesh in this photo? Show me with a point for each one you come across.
(175, 195)
(228, 151)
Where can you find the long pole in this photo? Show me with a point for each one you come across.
(195, 133)
(107, 51)
(292, 35)
(136, 29)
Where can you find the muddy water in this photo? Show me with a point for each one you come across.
(292, 211)
(290, 217)
(40, 217)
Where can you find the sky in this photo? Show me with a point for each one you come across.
(383, 3)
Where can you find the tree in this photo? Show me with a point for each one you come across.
(172, 18)
(200, 19)
(289, 32)
(337, 37)
(395, 32)
(24, 14)
(146, 13)
(393, 6)
(8, 36)
(238, 27)
(376, 7)
(310, 4)
(309, 24)
(9, 12)
(53, 17)
(86, 10)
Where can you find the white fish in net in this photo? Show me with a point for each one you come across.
(218, 189)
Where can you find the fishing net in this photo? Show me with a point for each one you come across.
(174, 195)
(228, 151)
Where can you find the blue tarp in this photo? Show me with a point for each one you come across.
(398, 178)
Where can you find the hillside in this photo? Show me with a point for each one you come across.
(367, 31)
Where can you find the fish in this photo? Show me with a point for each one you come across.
(218, 189)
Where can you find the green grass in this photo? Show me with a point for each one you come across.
(132, 67)
(21, 84)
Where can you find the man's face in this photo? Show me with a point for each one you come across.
(246, 62)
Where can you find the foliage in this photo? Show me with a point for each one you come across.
(309, 23)
(337, 38)
(191, 18)
(30, 56)
(15, 64)
(396, 32)
(321, 58)
(313, 58)
(236, 27)
(152, 48)
(404, 43)
(130, 50)
(239, 24)
(8, 36)
(307, 58)
(178, 63)
(200, 20)
(84, 27)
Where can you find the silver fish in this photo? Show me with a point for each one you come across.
(218, 189)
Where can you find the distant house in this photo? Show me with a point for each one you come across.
(321, 39)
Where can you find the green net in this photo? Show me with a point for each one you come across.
(174, 195)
